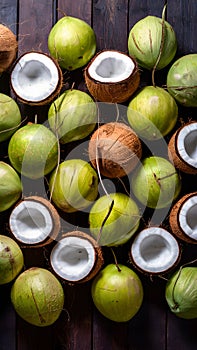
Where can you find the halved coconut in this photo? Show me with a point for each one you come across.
(183, 218)
(34, 222)
(36, 78)
(154, 251)
(77, 257)
(182, 148)
(8, 47)
(112, 76)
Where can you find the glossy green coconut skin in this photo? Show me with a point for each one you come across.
(117, 292)
(152, 113)
(156, 183)
(74, 186)
(10, 186)
(10, 117)
(181, 293)
(72, 116)
(33, 150)
(121, 220)
(11, 259)
(37, 297)
(182, 80)
(144, 42)
(72, 42)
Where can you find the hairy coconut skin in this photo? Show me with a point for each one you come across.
(112, 92)
(10, 117)
(37, 297)
(33, 150)
(117, 292)
(11, 259)
(174, 219)
(55, 218)
(10, 186)
(99, 257)
(117, 148)
(175, 157)
(8, 48)
(181, 293)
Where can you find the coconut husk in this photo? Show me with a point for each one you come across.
(8, 48)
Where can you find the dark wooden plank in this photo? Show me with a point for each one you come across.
(140, 9)
(7, 320)
(81, 9)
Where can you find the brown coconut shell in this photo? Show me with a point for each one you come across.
(8, 48)
(174, 219)
(52, 96)
(118, 149)
(99, 258)
(175, 157)
(55, 218)
(117, 92)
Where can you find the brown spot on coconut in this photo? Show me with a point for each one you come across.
(36, 78)
(115, 148)
(8, 48)
(182, 148)
(112, 76)
(34, 222)
(76, 258)
(183, 218)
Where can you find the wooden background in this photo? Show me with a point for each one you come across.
(80, 326)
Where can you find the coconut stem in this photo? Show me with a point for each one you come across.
(115, 259)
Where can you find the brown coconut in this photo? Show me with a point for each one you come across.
(8, 48)
(74, 251)
(109, 85)
(115, 148)
(36, 78)
(183, 218)
(181, 145)
(24, 220)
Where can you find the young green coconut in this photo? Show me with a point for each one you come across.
(76, 258)
(183, 218)
(10, 186)
(34, 222)
(11, 259)
(38, 297)
(36, 78)
(182, 148)
(10, 117)
(8, 48)
(115, 149)
(154, 251)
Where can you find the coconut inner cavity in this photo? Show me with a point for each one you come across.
(187, 144)
(188, 217)
(31, 222)
(111, 67)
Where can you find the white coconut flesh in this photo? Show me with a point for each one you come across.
(111, 67)
(188, 217)
(154, 250)
(73, 258)
(34, 77)
(31, 222)
(187, 144)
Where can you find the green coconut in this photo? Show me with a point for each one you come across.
(117, 292)
(182, 80)
(72, 116)
(10, 117)
(10, 186)
(152, 113)
(156, 183)
(72, 42)
(181, 293)
(33, 150)
(74, 186)
(113, 219)
(145, 42)
(11, 259)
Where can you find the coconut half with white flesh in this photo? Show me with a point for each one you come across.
(34, 222)
(76, 258)
(154, 251)
(112, 76)
(182, 148)
(183, 218)
(36, 78)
